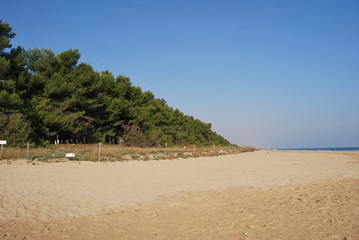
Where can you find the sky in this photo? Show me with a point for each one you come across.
(271, 73)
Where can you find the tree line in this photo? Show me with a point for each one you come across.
(48, 98)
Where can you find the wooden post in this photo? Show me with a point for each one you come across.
(2, 143)
(166, 150)
(27, 151)
(99, 151)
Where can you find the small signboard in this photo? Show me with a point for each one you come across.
(2, 143)
(70, 155)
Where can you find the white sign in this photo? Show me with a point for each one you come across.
(2, 142)
(70, 155)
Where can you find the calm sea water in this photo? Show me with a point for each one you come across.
(324, 149)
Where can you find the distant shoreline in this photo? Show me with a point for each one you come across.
(341, 149)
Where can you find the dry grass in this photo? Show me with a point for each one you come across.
(90, 152)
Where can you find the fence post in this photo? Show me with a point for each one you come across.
(99, 151)
(166, 150)
(1, 151)
(27, 151)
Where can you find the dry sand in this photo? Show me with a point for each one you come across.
(260, 195)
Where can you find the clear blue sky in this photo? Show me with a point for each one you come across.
(266, 73)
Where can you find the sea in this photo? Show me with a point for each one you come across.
(351, 149)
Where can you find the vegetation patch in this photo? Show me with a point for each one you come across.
(46, 157)
(135, 156)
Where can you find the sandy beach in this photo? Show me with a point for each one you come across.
(259, 195)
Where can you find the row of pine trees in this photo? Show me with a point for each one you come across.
(48, 98)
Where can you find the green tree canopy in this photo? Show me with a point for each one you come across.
(46, 96)
(5, 35)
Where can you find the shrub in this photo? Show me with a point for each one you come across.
(15, 128)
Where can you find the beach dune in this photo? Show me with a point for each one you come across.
(259, 195)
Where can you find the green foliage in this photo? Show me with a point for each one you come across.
(15, 129)
(41, 61)
(47, 98)
(133, 136)
(5, 35)
(68, 60)
(4, 67)
(9, 102)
